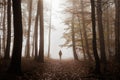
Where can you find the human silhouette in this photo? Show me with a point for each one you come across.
(60, 54)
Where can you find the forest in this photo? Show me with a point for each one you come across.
(59, 40)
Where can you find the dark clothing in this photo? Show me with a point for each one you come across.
(60, 54)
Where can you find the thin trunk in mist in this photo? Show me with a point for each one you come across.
(49, 36)
(101, 33)
(117, 32)
(108, 32)
(94, 43)
(4, 25)
(7, 51)
(36, 33)
(81, 35)
(84, 31)
(15, 65)
(73, 39)
(41, 48)
(29, 27)
(0, 47)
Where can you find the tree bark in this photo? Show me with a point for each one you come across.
(7, 51)
(117, 32)
(84, 31)
(101, 34)
(29, 27)
(15, 65)
(94, 43)
(41, 48)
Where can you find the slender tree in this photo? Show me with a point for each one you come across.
(95, 52)
(36, 33)
(117, 28)
(101, 33)
(29, 27)
(73, 39)
(84, 31)
(49, 36)
(4, 26)
(15, 65)
(7, 51)
(41, 48)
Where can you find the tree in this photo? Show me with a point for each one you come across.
(73, 39)
(84, 31)
(41, 48)
(101, 33)
(97, 61)
(4, 26)
(36, 32)
(117, 32)
(29, 27)
(15, 65)
(49, 36)
(7, 51)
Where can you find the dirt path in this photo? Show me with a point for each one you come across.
(57, 70)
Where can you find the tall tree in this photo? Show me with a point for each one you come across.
(101, 33)
(15, 65)
(117, 28)
(7, 51)
(4, 26)
(73, 39)
(84, 31)
(36, 32)
(29, 27)
(95, 52)
(49, 35)
(41, 48)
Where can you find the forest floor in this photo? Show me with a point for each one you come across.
(52, 70)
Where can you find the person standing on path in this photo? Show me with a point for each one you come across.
(60, 54)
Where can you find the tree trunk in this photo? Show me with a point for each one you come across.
(15, 65)
(94, 43)
(101, 34)
(73, 39)
(7, 51)
(41, 48)
(117, 32)
(49, 36)
(36, 33)
(4, 22)
(29, 27)
(84, 31)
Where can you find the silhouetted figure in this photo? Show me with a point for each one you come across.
(60, 54)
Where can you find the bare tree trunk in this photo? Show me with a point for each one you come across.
(36, 33)
(4, 25)
(41, 48)
(73, 39)
(29, 27)
(117, 32)
(7, 51)
(81, 35)
(49, 36)
(101, 34)
(15, 65)
(84, 31)
(94, 43)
